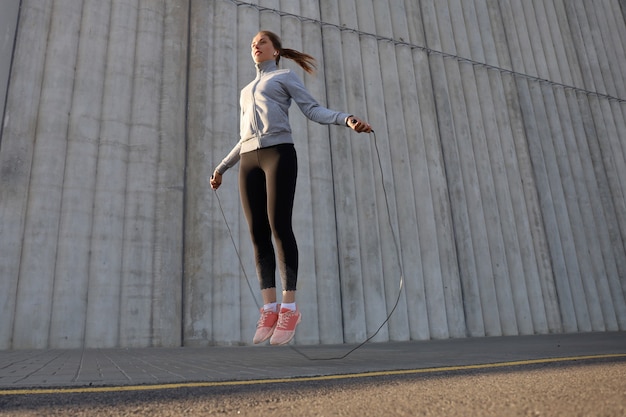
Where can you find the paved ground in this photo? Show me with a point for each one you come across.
(157, 366)
(585, 388)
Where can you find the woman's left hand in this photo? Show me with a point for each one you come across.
(216, 180)
(358, 125)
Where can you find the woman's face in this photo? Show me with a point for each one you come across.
(262, 49)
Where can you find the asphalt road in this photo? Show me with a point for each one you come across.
(587, 388)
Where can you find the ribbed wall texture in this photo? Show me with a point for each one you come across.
(9, 11)
(92, 174)
(500, 130)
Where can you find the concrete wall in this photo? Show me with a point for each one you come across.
(500, 128)
(9, 11)
(93, 175)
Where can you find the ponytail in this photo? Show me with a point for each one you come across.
(305, 61)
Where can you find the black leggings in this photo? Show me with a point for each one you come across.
(267, 184)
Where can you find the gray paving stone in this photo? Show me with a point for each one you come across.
(113, 367)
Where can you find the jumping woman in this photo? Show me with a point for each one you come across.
(267, 175)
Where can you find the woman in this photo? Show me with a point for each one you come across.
(267, 175)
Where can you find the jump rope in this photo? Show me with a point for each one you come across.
(399, 258)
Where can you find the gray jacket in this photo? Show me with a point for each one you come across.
(264, 119)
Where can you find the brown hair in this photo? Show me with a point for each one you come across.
(306, 61)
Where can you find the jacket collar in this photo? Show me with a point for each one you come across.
(266, 66)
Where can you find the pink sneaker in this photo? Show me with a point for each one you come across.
(265, 326)
(286, 327)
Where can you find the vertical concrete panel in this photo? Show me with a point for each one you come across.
(366, 230)
(522, 59)
(291, 33)
(445, 262)
(578, 46)
(505, 174)
(136, 292)
(619, 112)
(528, 20)
(72, 259)
(16, 153)
(340, 96)
(573, 235)
(423, 283)
(555, 48)
(250, 295)
(526, 63)
(534, 113)
(582, 281)
(105, 274)
(601, 47)
(614, 156)
(517, 168)
(359, 57)
(382, 91)
(598, 228)
(460, 217)
(199, 166)
(611, 140)
(548, 49)
(612, 27)
(594, 127)
(617, 9)
(584, 45)
(462, 93)
(555, 211)
(536, 240)
(614, 37)
(490, 31)
(34, 296)
(322, 208)
(612, 148)
(614, 153)
(269, 19)
(526, 287)
(549, 188)
(225, 297)
(589, 243)
(507, 41)
(461, 170)
(478, 102)
(167, 280)
(511, 283)
(613, 56)
(565, 37)
(8, 22)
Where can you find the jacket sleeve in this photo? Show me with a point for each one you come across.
(231, 159)
(310, 107)
(234, 155)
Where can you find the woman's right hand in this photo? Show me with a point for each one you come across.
(216, 180)
(358, 125)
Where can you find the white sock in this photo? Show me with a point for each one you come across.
(288, 306)
(270, 307)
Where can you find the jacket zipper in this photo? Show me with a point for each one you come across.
(255, 113)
